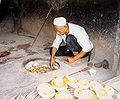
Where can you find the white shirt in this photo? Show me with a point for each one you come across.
(79, 33)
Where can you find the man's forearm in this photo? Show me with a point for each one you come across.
(79, 55)
(54, 50)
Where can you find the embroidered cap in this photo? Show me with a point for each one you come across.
(59, 21)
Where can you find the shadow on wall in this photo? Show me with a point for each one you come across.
(26, 16)
(16, 13)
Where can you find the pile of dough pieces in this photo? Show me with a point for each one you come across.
(37, 68)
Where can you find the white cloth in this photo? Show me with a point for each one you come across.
(79, 33)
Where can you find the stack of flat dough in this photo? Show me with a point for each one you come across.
(118, 95)
(82, 89)
(95, 86)
(85, 94)
(71, 81)
(45, 90)
(59, 84)
(103, 94)
(83, 84)
(63, 95)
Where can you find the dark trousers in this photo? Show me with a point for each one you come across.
(70, 47)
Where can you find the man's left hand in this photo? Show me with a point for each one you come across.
(70, 59)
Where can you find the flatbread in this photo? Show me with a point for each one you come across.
(59, 84)
(45, 90)
(63, 95)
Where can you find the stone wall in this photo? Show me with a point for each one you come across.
(99, 20)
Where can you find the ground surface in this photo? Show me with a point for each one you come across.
(15, 79)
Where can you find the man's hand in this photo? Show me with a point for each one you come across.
(76, 57)
(70, 59)
(52, 61)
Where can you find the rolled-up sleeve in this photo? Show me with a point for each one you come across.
(57, 41)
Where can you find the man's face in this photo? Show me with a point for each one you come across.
(61, 30)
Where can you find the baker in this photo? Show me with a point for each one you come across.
(77, 42)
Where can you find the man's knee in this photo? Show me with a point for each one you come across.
(70, 38)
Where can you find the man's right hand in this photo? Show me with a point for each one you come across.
(52, 61)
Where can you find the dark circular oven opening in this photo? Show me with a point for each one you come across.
(39, 65)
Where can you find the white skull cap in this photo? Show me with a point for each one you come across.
(59, 21)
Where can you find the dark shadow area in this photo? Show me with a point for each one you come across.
(20, 8)
(96, 16)
(92, 16)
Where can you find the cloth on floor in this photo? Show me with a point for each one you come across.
(4, 56)
(7, 42)
(23, 46)
(3, 59)
(4, 53)
(30, 52)
(20, 47)
(47, 45)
